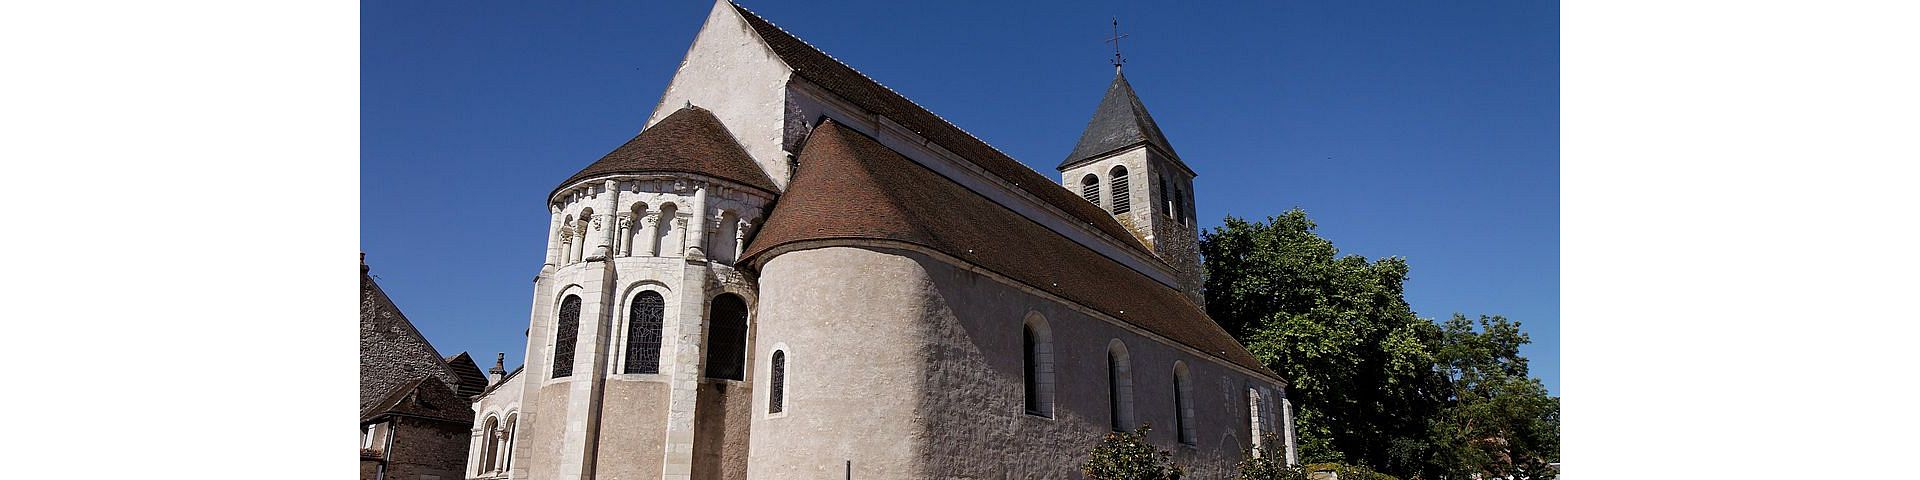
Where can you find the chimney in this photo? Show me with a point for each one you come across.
(499, 370)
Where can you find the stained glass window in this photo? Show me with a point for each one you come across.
(564, 336)
(643, 332)
(777, 397)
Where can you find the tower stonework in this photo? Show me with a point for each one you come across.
(1123, 164)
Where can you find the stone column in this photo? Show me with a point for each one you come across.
(553, 236)
(649, 226)
(567, 243)
(625, 234)
(697, 231)
(740, 239)
(607, 242)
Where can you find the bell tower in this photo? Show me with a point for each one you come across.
(1123, 164)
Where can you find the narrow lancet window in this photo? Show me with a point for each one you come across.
(1122, 200)
(1036, 343)
(564, 336)
(777, 392)
(644, 322)
(1183, 403)
(1119, 387)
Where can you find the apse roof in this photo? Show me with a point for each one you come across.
(691, 140)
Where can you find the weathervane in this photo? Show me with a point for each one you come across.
(1115, 40)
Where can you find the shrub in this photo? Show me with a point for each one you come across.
(1128, 456)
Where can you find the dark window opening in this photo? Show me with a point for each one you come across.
(727, 338)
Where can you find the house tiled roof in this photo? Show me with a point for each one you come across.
(1119, 122)
(691, 140)
(425, 397)
(823, 70)
(848, 186)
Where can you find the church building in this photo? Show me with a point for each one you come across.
(794, 272)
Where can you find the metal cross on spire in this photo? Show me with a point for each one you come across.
(1115, 40)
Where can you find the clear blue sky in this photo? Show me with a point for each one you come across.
(1425, 129)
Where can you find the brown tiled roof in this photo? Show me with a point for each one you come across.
(690, 140)
(849, 186)
(425, 397)
(821, 69)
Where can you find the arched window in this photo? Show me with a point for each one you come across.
(564, 336)
(506, 450)
(490, 444)
(1036, 342)
(643, 332)
(1122, 201)
(777, 393)
(727, 338)
(1183, 403)
(1119, 386)
(1090, 188)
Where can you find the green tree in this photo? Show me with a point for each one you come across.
(1373, 384)
(1358, 362)
(1128, 456)
(1500, 422)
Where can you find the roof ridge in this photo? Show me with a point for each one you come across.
(870, 78)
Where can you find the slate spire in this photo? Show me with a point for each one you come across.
(1120, 122)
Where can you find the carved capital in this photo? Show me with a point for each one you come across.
(626, 221)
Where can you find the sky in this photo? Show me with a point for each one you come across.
(1423, 129)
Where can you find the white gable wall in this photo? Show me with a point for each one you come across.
(730, 72)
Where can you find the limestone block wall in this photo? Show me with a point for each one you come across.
(854, 365)
(633, 431)
(924, 375)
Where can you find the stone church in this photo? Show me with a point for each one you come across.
(794, 272)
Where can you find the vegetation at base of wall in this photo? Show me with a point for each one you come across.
(1373, 384)
(1267, 461)
(1345, 472)
(1128, 456)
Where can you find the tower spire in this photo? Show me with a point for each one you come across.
(1115, 40)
